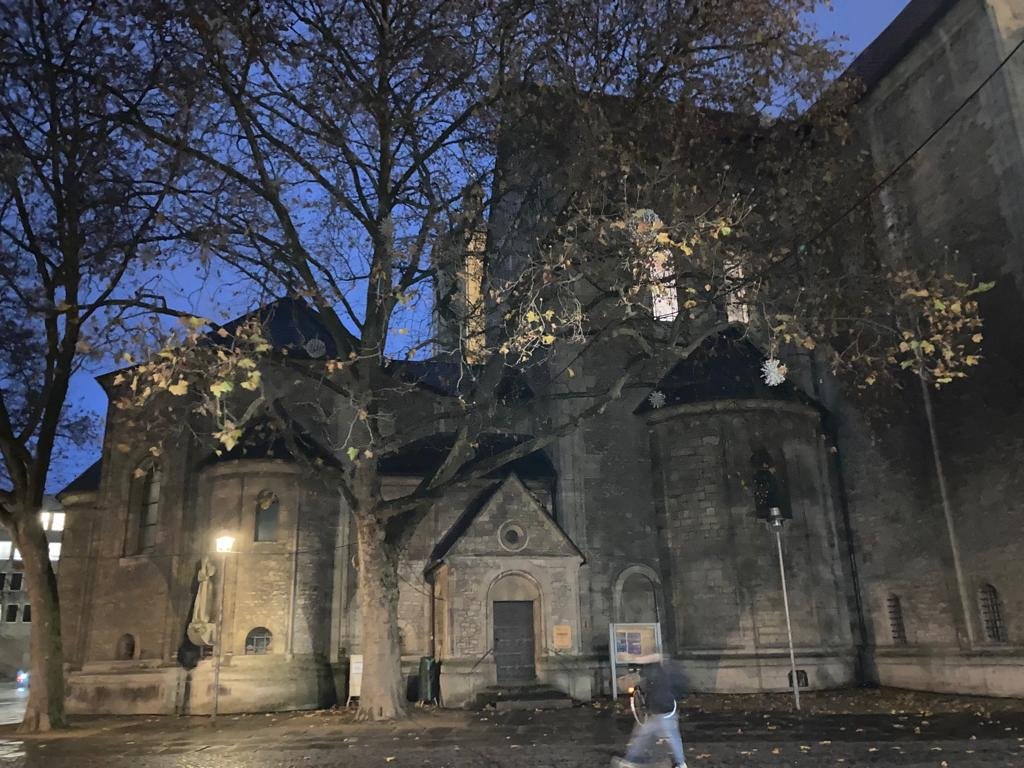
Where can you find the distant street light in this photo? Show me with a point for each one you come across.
(225, 544)
(775, 522)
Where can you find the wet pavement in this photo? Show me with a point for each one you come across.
(895, 730)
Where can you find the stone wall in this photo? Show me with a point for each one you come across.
(727, 618)
(964, 192)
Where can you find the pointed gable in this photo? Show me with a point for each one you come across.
(505, 520)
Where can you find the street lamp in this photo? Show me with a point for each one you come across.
(225, 544)
(775, 522)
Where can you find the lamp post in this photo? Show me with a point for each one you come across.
(225, 543)
(775, 522)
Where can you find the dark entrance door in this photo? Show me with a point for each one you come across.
(513, 641)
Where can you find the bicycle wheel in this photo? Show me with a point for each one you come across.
(638, 705)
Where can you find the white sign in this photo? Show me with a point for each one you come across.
(355, 677)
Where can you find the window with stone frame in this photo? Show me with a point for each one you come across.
(146, 497)
(258, 641)
(11, 613)
(3, 581)
(992, 620)
(16, 581)
(26, 613)
(268, 508)
(897, 627)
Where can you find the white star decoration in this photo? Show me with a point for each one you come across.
(773, 372)
(656, 399)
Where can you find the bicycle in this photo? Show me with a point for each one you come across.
(637, 697)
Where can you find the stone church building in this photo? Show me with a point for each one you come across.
(646, 515)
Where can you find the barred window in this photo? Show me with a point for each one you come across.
(992, 620)
(257, 642)
(896, 625)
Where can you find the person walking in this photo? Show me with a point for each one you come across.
(663, 685)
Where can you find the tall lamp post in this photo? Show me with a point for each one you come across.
(775, 522)
(225, 544)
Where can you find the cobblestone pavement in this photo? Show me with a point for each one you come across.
(938, 732)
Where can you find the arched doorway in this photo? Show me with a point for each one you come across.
(515, 608)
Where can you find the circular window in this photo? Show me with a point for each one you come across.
(512, 537)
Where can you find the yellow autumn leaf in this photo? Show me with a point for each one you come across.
(179, 388)
(976, 338)
(252, 383)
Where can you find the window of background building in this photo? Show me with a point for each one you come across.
(57, 521)
(11, 613)
(54, 550)
(26, 613)
(44, 520)
(3, 580)
(5, 550)
(16, 582)
(17, 555)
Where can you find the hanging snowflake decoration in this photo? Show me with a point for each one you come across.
(773, 372)
(656, 399)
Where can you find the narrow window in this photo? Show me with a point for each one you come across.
(57, 523)
(11, 613)
(125, 648)
(5, 550)
(26, 613)
(54, 550)
(17, 555)
(992, 614)
(896, 625)
(16, 582)
(257, 642)
(267, 508)
(44, 520)
(3, 580)
(149, 508)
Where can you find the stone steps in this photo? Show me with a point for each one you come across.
(519, 697)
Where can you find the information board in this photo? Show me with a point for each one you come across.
(631, 644)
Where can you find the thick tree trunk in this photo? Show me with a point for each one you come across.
(45, 708)
(382, 696)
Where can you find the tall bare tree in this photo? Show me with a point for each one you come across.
(80, 201)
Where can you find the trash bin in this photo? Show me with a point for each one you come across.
(428, 679)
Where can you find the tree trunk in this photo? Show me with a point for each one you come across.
(45, 708)
(382, 696)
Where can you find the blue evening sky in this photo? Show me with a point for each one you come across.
(859, 21)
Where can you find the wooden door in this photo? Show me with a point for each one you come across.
(513, 641)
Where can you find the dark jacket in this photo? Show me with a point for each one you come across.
(663, 685)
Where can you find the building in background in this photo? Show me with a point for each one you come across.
(15, 603)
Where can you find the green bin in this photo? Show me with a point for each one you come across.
(428, 679)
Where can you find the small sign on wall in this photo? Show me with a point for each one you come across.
(355, 677)
(562, 637)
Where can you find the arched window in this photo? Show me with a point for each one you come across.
(147, 504)
(125, 648)
(992, 621)
(267, 508)
(257, 642)
(896, 625)
(638, 600)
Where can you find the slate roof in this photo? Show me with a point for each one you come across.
(263, 440)
(726, 367)
(424, 456)
(86, 482)
(897, 40)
